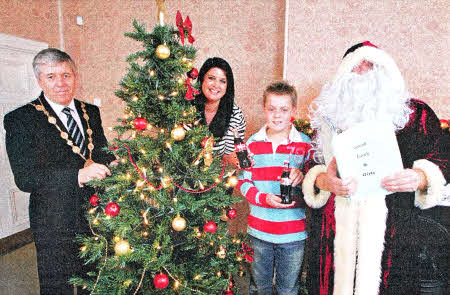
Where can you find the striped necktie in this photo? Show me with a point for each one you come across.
(74, 131)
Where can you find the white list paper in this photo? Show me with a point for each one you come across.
(368, 152)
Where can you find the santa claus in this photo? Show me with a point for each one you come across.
(379, 245)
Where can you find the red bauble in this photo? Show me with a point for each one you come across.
(232, 213)
(210, 227)
(161, 281)
(444, 123)
(193, 73)
(112, 209)
(140, 124)
(94, 200)
(231, 283)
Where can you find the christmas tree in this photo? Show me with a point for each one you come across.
(159, 222)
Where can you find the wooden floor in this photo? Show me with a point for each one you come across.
(18, 272)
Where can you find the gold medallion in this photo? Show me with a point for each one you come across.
(51, 120)
(89, 131)
(75, 149)
(39, 107)
(86, 116)
(69, 142)
(90, 146)
(64, 135)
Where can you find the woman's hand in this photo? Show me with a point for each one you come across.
(231, 159)
(329, 181)
(406, 180)
(275, 202)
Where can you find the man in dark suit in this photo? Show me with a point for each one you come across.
(55, 145)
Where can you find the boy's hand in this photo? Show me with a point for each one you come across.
(296, 176)
(275, 202)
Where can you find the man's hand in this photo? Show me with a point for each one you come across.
(94, 171)
(406, 180)
(329, 181)
(296, 176)
(275, 202)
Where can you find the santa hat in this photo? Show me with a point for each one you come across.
(370, 52)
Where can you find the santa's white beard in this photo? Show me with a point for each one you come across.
(355, 98)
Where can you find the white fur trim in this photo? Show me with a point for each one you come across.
(311, 198)
(345, 242)
(374, 55)
(360, 229)
(433, 195)
(372, 226)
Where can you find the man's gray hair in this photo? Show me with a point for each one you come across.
(51, 55)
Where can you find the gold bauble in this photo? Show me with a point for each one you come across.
(163, 51)
(224, 216)
(179, 223)
(232, 181)
(122, 247)
(221, 254)
(178, 133)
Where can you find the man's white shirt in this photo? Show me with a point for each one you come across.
(57, 108)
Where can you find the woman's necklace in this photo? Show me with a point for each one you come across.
(65, 136)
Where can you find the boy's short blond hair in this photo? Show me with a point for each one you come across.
(281, 88)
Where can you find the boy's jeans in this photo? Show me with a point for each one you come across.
(286, 258)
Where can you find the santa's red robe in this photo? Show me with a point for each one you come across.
(415, 246)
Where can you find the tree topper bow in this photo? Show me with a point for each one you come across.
(184, 25)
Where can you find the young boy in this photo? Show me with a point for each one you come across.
(277, 230)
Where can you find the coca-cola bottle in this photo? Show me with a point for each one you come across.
(285, 185)
(241, 150)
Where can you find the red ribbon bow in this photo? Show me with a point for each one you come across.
(184, 25)
(190, 91)
(247, 252)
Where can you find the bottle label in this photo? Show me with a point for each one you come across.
(285, 181)
(240, 147)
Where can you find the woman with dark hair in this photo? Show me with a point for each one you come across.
(216, 105)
